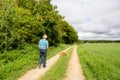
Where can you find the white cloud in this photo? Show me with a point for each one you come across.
(92, 19)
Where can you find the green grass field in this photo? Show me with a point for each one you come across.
(100, 61)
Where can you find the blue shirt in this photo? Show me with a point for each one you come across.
(43, 43)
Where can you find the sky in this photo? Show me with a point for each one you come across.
(92, 19)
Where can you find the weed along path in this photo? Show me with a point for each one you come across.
(36, 73)
(74, 70)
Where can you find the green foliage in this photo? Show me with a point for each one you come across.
(100, 61)
(25, 21)
(17, 61)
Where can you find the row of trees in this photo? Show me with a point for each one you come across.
(25, 21)
(99, 41)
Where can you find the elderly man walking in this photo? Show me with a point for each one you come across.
(43, 46)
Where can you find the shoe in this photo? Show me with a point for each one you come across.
(44, 66)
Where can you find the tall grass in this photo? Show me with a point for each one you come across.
(15, 63)
(100, 61)
(59, 68)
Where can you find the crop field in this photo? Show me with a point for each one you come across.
(100, 61)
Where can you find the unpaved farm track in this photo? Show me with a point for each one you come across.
(36, 73)
(74, 70)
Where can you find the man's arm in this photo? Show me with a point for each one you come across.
(47, 46)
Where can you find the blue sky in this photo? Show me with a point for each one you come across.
(92, 19)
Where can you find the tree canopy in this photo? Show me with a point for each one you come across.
(25, 21)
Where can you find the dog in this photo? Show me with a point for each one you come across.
(63, 53)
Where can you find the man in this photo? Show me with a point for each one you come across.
(43, 46)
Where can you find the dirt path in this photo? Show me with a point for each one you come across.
(74, 71)
(36, 73)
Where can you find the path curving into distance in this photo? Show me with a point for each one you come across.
(74, 70)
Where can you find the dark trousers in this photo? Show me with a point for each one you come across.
(42, 58)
